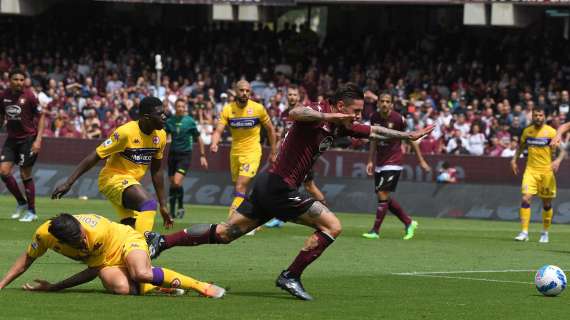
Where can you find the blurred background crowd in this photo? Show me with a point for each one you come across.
(479, 91)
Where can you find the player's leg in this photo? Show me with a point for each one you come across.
(328, 228)
(136, 198)
(30, 190)
(182, 168)
(172, 191)
(547, 193)
(410, 225)
(116, 280)
(7, 160)
(529, 188)
(381, 210)
(141, 271)
(201, 233)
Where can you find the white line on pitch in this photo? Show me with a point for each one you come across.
(458, 272)
(461, 278)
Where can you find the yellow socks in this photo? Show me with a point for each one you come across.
(547, 218)
(168, 278)
(238, 199)
(525, 217)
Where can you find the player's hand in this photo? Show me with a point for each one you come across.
(369, 168)
(339, 118)
(38, 285)
(555, 165)
(167, 220)
(556, 140)
(204, 162)
(61, 190)
(425, 166)
(213, 148)
(418, 134)
(514, 167)
(273, 156)
(36, 146)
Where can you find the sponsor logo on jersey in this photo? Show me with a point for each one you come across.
(13, 112)
(537, 142)
(244, 122)
(139, 155)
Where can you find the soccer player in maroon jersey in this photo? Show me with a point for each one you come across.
(275, 193)
(388, 167)
(294, 100)
(20, 108)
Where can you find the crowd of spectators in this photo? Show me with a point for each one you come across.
(478, 90)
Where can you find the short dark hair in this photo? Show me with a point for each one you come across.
(293, 87)
(148, 104)
(538, 108)
(347, 93)
(17, 71)
(66, 229)
(179, 100)
(386, 93)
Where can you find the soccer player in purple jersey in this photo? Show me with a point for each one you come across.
(388, 167)
(20, 108)
(294, 100)
(275, 193)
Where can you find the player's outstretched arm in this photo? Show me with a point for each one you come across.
(559, 133)
(379, 132)
(306, 114)
(18, 268)
(80, 278)
(157, 175)
(85, 165)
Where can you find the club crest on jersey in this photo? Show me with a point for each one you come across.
(22, 100)
(175, 283)
(325, 144)
(249, 111)
(116, 136)
(155, 140)
(390, 125)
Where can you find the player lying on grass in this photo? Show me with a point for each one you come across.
(275, 193)
(114, 252)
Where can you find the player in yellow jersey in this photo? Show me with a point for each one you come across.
(244, 118)
(116, 253)
(129, 152)
(538, 178)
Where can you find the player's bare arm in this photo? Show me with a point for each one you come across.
(37, 145)
(202, 148)
(85, 165)
(416, 147)
(272, 136)
(561, 155)
(371, 154)
(22, 264)
(379, 132)
(514, 165)
(216, 136)
(559, 133)
(75, 280)
(157, 175)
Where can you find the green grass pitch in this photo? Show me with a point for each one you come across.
(355, 278)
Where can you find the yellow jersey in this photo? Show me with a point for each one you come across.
(538, 144)
(105, 241)
(130, 151)
(245, 126)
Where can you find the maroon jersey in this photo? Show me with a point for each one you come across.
(388, 152)
(22, 111)
(305, 142)
(287, 123)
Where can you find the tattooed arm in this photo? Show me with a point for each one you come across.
(379, 132)
(306, 114)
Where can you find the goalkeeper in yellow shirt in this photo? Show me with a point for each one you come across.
(538, 178)
(244, 117)
(129, 151)
(115, 253)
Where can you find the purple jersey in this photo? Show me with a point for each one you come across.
(21, 110)
(305, 142)
(388, 152)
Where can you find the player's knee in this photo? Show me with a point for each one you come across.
(334, 229)
(148, 205)
(141, 275)
(122, 289)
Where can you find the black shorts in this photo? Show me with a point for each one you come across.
(386, 180)
(19, 151)
(179, 162)
(271, 198)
